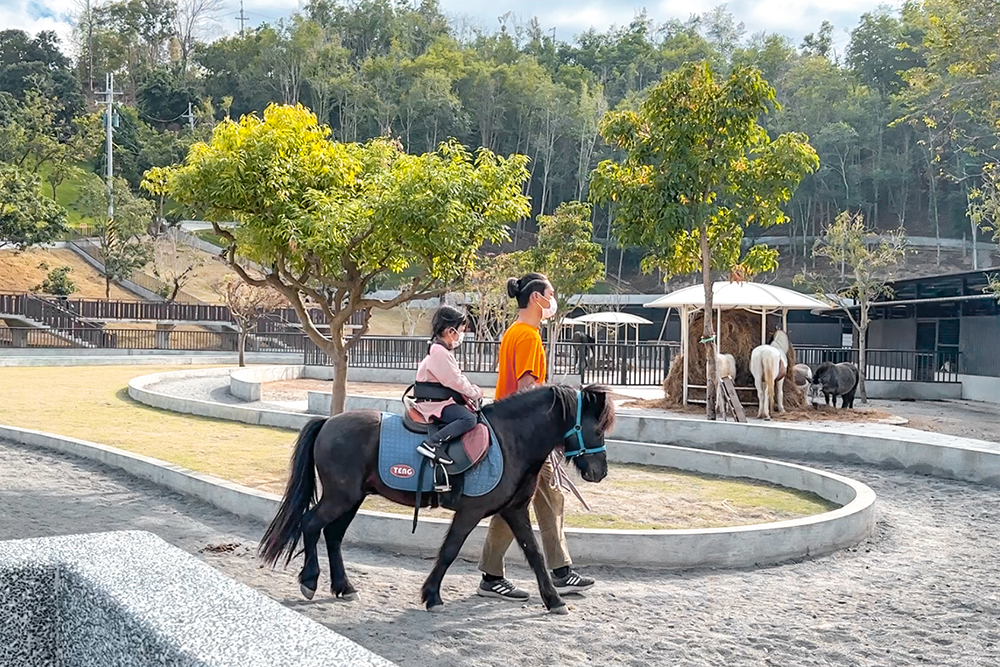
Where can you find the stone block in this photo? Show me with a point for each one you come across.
(129, 599)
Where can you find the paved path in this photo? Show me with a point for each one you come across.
(922, 591)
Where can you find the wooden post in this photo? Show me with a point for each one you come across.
(718, 330)
(685, 351)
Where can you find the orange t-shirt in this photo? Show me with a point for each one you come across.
(521, 351)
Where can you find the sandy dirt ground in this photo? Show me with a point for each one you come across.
(921, 591)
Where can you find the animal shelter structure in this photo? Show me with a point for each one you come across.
(612, 321)
(755, 298)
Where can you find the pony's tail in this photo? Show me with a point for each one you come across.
(769, 373)
(283, 534)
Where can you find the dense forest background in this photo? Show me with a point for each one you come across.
(904, 119)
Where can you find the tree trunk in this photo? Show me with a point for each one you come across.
(242, 346)
(107, 283)
(338, 358)
(711, 381)
(862, 344)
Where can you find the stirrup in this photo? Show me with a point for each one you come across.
(442, 486)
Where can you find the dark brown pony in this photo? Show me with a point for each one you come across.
(343, 450)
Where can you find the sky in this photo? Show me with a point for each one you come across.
(793, 18)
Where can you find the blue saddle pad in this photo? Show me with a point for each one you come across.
(399, 462)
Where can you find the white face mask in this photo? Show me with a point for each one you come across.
(548, 312)
(459, 341)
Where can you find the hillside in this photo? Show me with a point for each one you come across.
(20, 272)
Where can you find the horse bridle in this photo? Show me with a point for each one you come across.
(578, 431)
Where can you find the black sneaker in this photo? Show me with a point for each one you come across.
(503, 589)
(433, 452)
(573, 583)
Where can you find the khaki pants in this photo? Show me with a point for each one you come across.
(548, 504)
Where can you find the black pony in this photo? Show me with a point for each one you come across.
(343, 450)
(834, 380)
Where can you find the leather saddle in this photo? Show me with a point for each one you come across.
(466, 452)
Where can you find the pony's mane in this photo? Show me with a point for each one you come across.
(564, 400)
(566, 397)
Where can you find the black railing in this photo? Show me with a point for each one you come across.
(156, 311)
(280, 320)
(894, 365)
(637, 364)
(148, 339)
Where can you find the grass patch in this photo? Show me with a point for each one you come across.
(90, 402)
(209, 236)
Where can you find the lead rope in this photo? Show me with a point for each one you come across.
(561, 479)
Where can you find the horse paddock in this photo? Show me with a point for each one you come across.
(918, 591)
(94, 408)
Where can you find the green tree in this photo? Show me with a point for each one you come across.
(486, 283)
(57, 282)
(870, 259)
(984, 210)
(566, 254)
(155, 182)
(697, 170)
(27, 217)
(123, 245)
(330, 220)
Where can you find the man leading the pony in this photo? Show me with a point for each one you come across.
(523, 366)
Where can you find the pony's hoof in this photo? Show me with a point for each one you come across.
(561, 610)
(435, 609)
(307, 592)
(350, 596)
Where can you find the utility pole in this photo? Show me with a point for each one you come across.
(190, 116)
(109, 146)
(242, 18)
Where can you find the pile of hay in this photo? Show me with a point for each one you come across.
(740, 335)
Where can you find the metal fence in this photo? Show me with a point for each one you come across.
(160, 311)
(599, 363)
(148, 339)
(894, 365)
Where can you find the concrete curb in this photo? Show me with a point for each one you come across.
(892, 447)
(730, 547)
(740, 546)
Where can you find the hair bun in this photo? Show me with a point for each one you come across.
(513, 287)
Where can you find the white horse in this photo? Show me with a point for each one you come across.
(768, 364)
(725, 365)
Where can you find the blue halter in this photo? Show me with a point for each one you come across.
(578, 430)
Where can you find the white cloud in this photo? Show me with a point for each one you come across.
(794, 18)
(34, 16)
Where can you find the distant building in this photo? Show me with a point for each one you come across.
(951, 316)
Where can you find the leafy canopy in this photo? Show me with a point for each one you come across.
(697, 161)
(869, 258)
(327, 216)
(27, 217)
(565, 253)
